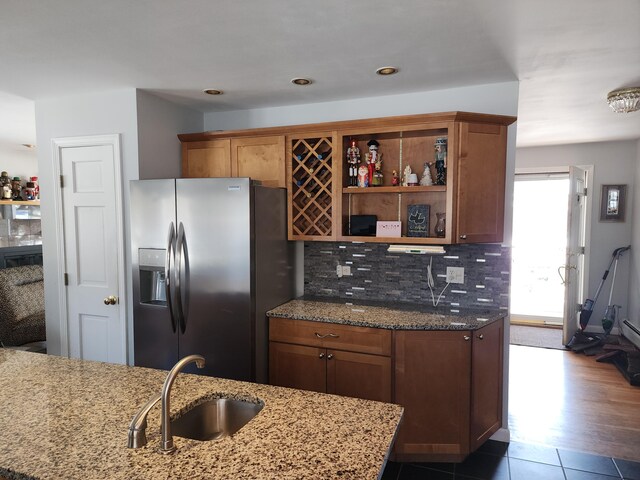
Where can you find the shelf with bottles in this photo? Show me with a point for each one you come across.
(311, 205)
(411, 147)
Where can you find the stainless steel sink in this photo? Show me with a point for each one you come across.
(215, 419)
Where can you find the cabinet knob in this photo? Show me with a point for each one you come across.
(330, 356)
(321, 355)
(481, 336)
(466, 338)
(463, 237)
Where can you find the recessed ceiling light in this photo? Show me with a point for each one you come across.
(387, 70)
(301, 81)
(212, 91)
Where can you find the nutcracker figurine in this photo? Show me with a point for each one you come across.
(441, 160)
(353, 159)
(373, 157)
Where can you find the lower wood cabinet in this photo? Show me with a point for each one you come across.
(330, 358)
(450, 384)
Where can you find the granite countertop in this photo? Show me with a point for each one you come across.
(64, 418)
(380, 315)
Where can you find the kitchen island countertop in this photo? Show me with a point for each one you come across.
(396, 316)
(64, 418)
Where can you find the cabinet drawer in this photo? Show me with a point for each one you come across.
(331, 335)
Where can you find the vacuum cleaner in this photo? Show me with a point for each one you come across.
(581, 340)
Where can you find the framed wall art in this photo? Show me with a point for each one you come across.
(612, 203)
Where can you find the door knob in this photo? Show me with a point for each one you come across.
(111, 300)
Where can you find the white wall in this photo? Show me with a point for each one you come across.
(634, 276)
(19, 162)
(614, 163)
(111, 112)
(498, 98)
(159, 122)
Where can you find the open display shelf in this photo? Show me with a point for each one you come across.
(409, 146)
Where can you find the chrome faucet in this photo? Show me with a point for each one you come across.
(167, 445)
(138, 426)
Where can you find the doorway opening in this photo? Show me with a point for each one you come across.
(540, 215)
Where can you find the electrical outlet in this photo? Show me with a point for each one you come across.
(346, 270)
(339, 271)
(455, 274)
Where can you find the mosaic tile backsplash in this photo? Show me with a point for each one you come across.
(20, 225)
(379, 275)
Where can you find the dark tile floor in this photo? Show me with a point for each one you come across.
(518, 461)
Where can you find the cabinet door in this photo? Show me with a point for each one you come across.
(359, 375)
(206, 159)
(486, 382)
(297, 366)
(260, 158)
(480, 183)
(432, 383)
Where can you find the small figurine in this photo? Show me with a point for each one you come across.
(16, 189)
(441, 160)
(378, 176)
(373, 157)
(394, 179)
(6, 191)
(405, 177)
(426, 179)
(353, 159)
(363, 176)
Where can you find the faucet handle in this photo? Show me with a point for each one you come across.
(137, 437)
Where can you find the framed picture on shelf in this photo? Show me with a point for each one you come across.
(418, 220)
(612, 203)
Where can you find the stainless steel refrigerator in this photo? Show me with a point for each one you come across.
(210, 256)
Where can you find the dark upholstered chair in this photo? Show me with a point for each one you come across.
(22, 308)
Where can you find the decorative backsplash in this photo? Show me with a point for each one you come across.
(20, 225)
(379, 275)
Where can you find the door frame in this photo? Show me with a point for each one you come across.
(588, 207)
(57, 144)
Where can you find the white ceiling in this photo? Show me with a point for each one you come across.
(567, 54)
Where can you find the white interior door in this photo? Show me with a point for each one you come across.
(575, 265)
(93, 247)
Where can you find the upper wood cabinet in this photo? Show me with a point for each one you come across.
(206, 159)
(260, 158)
(310, 161)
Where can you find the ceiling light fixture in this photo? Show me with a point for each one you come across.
(624, 100)
(386, 71)
(212, 91)
(30, 146)
(301, 81)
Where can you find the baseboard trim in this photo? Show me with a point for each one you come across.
(502, 435)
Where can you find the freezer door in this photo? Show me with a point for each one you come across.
(215, 274)
(152, 214)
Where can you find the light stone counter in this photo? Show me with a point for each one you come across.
(392, 317)
(68, 419)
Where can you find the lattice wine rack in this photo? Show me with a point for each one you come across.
(311, 182)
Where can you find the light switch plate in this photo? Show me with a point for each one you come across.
(455, 274)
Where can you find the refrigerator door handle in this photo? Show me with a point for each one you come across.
(167, 272)
(181, 253)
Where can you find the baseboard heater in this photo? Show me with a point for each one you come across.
(632, 333)
(628, 363)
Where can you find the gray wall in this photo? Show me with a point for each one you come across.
(159, 122)
(614, 163)
(634, 277)
(97, 113)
